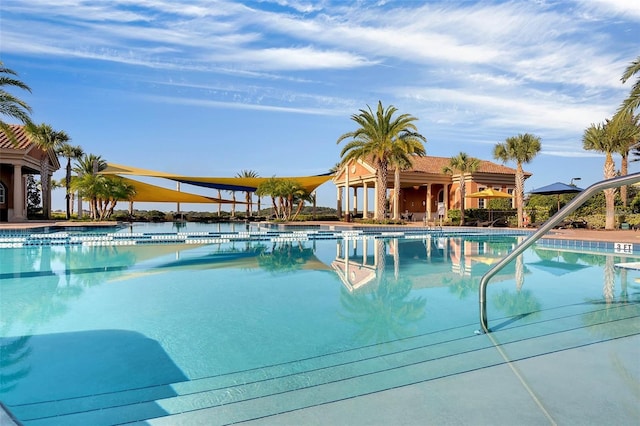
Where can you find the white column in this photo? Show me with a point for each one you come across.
(375, 201)
(365, 201)
(429, 201)
(446, 200)
(355, 199)
(347, 210)
(18, 194)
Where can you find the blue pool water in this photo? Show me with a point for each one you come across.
(129, 328)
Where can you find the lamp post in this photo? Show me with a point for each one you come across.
(572, 179)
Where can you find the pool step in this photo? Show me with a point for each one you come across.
(280, 388)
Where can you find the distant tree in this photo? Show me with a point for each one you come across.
(47, 139)
(249, 201)
(376, 139)
(521, 149)
(10, 105)
(70, 152)
(463, 165)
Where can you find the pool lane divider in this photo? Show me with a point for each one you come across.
(14, 240)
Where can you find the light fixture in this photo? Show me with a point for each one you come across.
(572, 179)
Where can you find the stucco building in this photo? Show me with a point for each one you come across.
(17, 160)
(425, 191)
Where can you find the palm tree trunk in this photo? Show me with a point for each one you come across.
(396, 193)
(519, 193)
(609, 194)
(382, 191)
(624, 170)
(67, 185)
(463, 193)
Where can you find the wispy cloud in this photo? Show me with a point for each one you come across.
(499, 65)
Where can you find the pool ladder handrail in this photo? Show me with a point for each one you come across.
(546, 227)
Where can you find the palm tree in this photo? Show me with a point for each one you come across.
(630, 125)
(86, 167)
(521, 149)
(248, 199)
(633, 100)
(463, 165)
(47, 139)
(400, 158)
(376, 138)
(10, 105)
(270, 188)
(70, 152)
(603, 137)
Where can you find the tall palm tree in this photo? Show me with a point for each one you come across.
(400, 158)
(463, 165)
(70, 152)
(10, 105)
(603, 137)
(376, 139)
(521, 149)
(632, 102)
(248, 198)
(47, 139)
(630, 125)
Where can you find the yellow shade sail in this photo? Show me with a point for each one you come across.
(309, 183)
(156, 194)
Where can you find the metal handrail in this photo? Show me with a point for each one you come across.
(546, 227)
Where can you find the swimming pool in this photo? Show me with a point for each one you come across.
(214, 324)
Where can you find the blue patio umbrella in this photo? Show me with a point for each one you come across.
(557, 188)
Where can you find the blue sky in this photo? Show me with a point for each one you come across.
(211, 88)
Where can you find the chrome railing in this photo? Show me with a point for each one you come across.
(546, 227)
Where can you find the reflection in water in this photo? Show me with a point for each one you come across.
(384, 314)
(386, 284)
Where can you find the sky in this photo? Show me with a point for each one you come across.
(212, 88)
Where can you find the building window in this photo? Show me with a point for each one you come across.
(2, 194)
(482, 202)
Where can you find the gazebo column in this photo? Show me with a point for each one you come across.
(365, 200)
(18, 195)
(375, 201)
(446, 201)
(428, 201)
(347, 210)
(339, 200)
(355, 200)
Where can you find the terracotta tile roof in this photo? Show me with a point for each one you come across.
(23, 141)
(436, 164)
